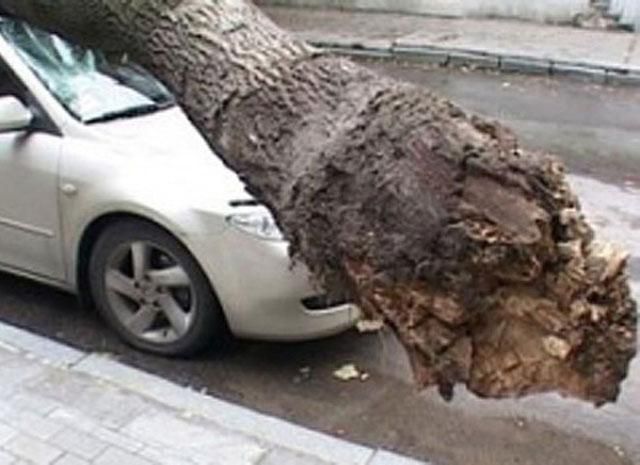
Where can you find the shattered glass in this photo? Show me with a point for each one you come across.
(89, 85)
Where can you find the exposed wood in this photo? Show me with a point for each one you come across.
(473, 249)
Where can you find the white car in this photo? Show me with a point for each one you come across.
(108, 191)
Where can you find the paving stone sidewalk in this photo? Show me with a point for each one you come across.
(600, 55)
(64, 407)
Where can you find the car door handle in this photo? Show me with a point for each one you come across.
(69, 189)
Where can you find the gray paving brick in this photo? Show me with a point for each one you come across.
(581, 72)
(7, 351)
(5, 406)
(422, 54)
(193, 441)
(388, 458)
(364, 47)
(79, 443)
(62, 388)
(373, 44)
(166, 457)
(129, 407)
(338, 42)
(623, 78)
(6, 458)
(477, 60)
(113, 456)
(33, 402)
(33, 450)
(525, 65)
(359, 52)
(93, 400)
(69, 459)
(32, 424)
(80, 421)
(16, 372)
(118, 440)
(73, 418)
(6, 433)
(45, 349)
(286, 457)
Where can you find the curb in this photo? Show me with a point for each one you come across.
(454, 57)
(229, 416)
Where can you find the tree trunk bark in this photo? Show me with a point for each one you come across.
(471, 248)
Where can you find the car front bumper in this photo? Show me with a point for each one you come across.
(262, 292)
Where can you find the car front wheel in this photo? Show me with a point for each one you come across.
(150, 289)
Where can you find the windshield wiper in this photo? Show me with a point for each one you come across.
(126, 113)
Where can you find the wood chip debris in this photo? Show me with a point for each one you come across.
(369, 326)
(304, 374)
(350, 372)
(556, 347)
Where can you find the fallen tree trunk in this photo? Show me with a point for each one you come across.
(471, 248)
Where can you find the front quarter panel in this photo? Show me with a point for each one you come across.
(97, 181)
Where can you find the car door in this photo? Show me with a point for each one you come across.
(29, 218)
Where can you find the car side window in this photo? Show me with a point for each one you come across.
(8, 84)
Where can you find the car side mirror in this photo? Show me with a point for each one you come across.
(14, 115)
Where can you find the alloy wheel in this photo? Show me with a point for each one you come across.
(150, 292)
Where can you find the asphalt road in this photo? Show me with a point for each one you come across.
(597, 131)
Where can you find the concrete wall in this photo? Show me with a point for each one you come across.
(538, 10)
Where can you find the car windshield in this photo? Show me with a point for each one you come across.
(90, 85)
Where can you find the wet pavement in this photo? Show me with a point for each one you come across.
(596, 130)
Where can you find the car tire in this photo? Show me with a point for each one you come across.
(152, 292)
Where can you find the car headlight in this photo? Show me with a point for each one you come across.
(257, 223)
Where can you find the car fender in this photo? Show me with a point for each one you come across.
(93, 189)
